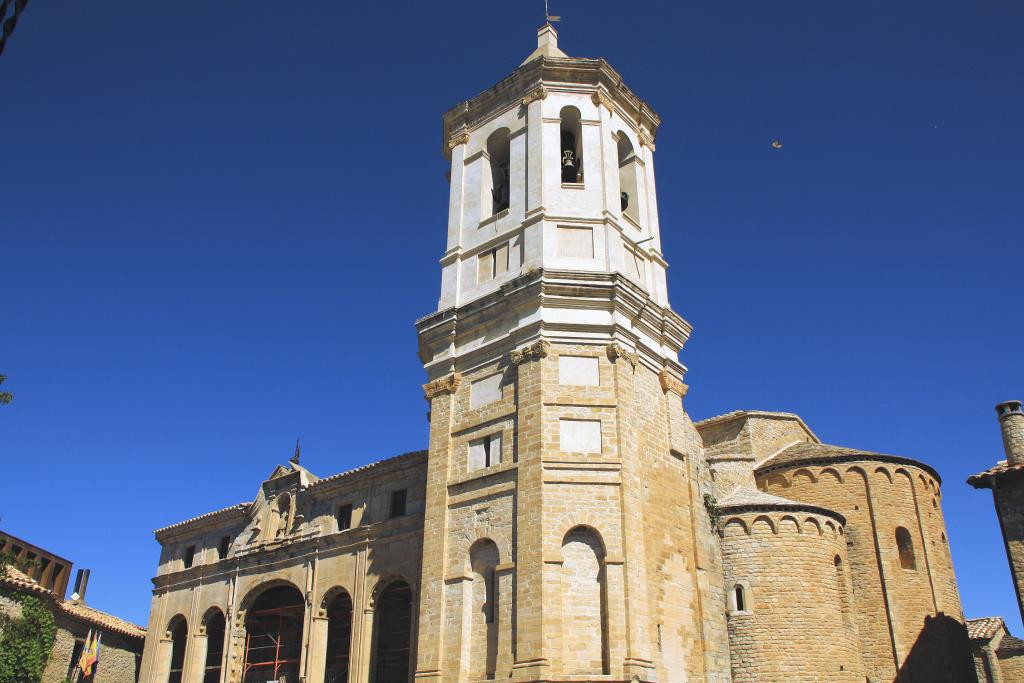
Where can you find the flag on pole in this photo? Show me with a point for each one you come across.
(82, 658)
(91, 654)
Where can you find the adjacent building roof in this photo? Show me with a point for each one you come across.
(808, 453)
(984, 628)
(983, 480)
(76, 610)
(747, 499)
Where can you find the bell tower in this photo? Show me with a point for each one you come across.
(565, 530)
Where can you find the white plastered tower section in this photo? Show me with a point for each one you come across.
(557, 430)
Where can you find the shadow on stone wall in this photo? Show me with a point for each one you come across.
(941, 652)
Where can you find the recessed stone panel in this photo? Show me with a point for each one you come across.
(578, 370)
(579, 436)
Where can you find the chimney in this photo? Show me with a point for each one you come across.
(81, 582)
(1011, 421)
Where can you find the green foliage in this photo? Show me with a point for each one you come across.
(5, 396)
(714, 512)
(8, 559)
(25, 643)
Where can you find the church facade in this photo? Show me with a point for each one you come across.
(568, 520)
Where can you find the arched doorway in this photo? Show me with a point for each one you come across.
(178, 631)
(214, 626)
(273, 636)
(393, 634)
(339, 638)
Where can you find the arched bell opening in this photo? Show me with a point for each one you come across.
(499, 151)
(571, 158)
(629, 202)
(273, 636)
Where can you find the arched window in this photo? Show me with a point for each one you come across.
(393, 633)
(905, 546)
(339, 638)
(214, 626)
(273, 636)
(584, 603)
(739, 597)
(628, 199)
(179, 636)
(571, 159)
(483, 560)
(499, 150)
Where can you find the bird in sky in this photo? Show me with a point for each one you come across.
(776, 144)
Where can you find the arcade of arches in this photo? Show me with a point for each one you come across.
(275, 639)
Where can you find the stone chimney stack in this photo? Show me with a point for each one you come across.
(1011, 421)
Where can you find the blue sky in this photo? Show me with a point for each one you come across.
(197, 203)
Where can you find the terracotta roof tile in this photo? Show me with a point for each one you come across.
(810, 452)
(982, 480)
(983, 628)
(411, 455)
(107, 622)
(754, 499)
(20, 580)
(231, 508)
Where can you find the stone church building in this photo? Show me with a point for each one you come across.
(568, 520)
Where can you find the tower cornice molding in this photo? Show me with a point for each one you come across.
(535, 81)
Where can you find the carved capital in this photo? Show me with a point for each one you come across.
(534, 351)
(670, 383)
(441, 385)
(600, 99)
(538, 93)
(456, 140)
(615, 351)
(645, 139)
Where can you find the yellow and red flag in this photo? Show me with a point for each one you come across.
(90, 653)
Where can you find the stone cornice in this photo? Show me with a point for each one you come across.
(442, 385)
(615, 351)
(670, 382)
(535, 79)
(534, 351)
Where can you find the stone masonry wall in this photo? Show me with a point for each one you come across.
(1009, 500)
(797, 625)
(907, 617)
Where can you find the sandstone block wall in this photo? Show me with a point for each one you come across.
(907, 617)
(798, 622)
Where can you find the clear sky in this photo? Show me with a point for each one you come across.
(219, 220)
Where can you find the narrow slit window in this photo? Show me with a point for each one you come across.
(190, 556)
(223, 546)
(741, 599)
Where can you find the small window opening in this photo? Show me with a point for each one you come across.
(223, 546)
(741, 599)
(572, 154)
(492, 263)
(905, 546)
(398, 503)
(499, 150)
(344, 517)
(190, 556)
